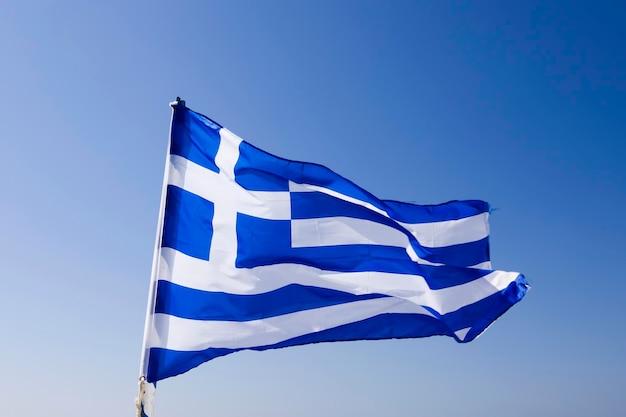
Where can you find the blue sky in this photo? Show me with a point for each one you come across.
(517, 103)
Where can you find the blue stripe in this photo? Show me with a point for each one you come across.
(196, 304)
(187, 223)
(195, 137)
(267, 242)
(452, 210)
(445, 276)
(464, 254)
(306, 205)
(312, 205)
(165, 363)
(256, 170)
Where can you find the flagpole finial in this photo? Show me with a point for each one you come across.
(178, 103)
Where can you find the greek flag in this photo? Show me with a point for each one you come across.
(259, 252)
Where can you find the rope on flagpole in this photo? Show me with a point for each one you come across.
(145, 401)
(140, 398)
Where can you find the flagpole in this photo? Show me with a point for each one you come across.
(145, 400)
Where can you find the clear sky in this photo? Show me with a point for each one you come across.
(520, 103)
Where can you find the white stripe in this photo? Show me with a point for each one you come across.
(190, 335)
(450, 232)
(331, 231)
(223, 277)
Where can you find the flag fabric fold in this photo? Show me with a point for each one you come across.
(259, 252)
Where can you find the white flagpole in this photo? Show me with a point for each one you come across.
(145, 401)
